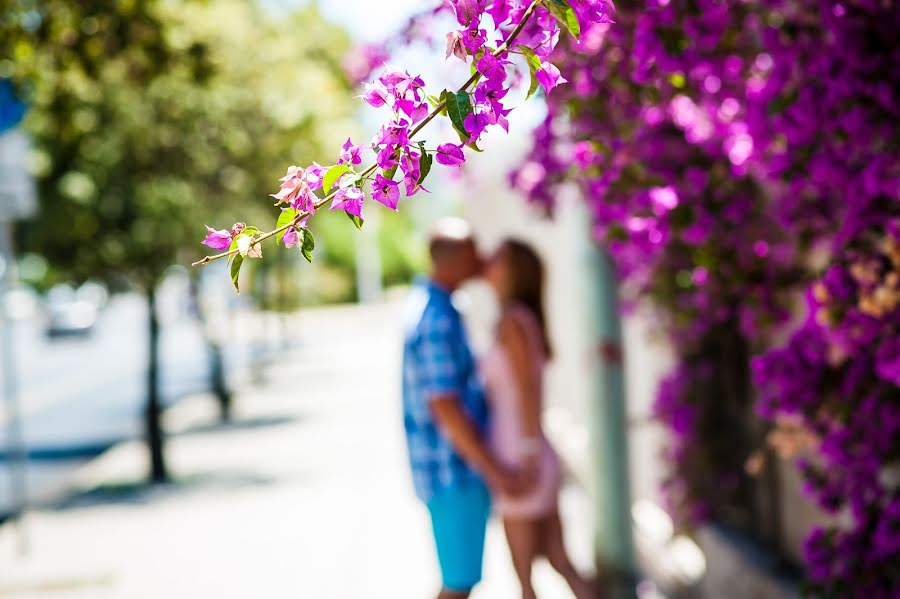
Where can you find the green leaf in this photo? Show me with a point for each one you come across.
(442, 99)
(356, 220)
(307, 245)
(459, 106)
(425, 162)
(560, 3)
(534, 63)
(566, 17)
(248, 231)
(236, 271)
(389, 173)
(287, 215)
(333, 174)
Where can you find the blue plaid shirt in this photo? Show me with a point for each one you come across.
(437, 360)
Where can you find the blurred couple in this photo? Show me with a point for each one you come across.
(474, 427)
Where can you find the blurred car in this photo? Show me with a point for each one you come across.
(68, 314)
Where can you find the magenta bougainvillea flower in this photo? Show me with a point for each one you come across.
(386, 192)
(296, 191)
(350, 154)
(217, 239)
(450, 155)
(314, 176)
(349, 200)
(290, 238)
(549, 77)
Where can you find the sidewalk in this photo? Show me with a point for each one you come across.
(306, 495)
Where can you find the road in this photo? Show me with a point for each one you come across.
(78, 396)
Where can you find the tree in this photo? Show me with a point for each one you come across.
(150, 117)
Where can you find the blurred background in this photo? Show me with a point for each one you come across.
(163, 436)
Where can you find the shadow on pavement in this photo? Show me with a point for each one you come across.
(142, 493)
(245, 424)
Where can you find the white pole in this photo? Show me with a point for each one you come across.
(17, 457)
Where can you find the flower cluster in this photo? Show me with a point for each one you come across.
(840, 375)
(489, 32)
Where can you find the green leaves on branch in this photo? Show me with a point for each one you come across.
(459, 106)
(425, 162)
(333, 175)
(287, 215)
(357, 221)
(565, 15)
(307, 245)
(236, 264)
(243, 249)
(534, 63)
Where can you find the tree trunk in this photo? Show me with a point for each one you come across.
(153, 414)
(217, 379)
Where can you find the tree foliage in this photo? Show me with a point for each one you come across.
(148, 117)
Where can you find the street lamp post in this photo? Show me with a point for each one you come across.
(16, 454)
(17, 200)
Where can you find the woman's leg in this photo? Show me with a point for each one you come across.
(523, 537)
(555, 551)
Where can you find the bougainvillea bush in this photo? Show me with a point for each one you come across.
(732, 155)
(840, 376)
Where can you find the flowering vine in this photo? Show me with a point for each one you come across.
(528, 28)
(727, 151)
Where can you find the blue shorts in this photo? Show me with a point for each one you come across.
(459, 519)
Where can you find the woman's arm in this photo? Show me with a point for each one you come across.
(514, 339)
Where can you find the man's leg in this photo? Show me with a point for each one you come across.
(459, 521)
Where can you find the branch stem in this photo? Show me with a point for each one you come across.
(371, 168)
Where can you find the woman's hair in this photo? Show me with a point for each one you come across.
(526, 282)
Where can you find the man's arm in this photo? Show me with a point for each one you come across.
(453, 422)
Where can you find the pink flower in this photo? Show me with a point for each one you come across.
(314, 175)
(455, 45)
(376, 94)
(549, 77)
(349, 200)
(450, 155)
(386, 192)
(295, 190)
(475, 124)
(217, 240)
(468, 11)
(350, 153)
(290, 238)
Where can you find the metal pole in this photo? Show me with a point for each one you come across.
(14, 431)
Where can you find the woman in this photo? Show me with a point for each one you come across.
(513, 371)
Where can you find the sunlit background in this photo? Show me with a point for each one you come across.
(278, 468)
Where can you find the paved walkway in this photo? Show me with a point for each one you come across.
(307, 495)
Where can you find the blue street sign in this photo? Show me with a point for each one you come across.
(11, 109)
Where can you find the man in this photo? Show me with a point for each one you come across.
(445, 413)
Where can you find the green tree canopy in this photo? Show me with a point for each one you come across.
(150, 118)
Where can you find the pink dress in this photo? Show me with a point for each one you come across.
(506, 434)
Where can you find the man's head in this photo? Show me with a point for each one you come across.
(454, 256)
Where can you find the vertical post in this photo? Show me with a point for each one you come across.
(609, 440)
(14, 432)
(153, 412)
